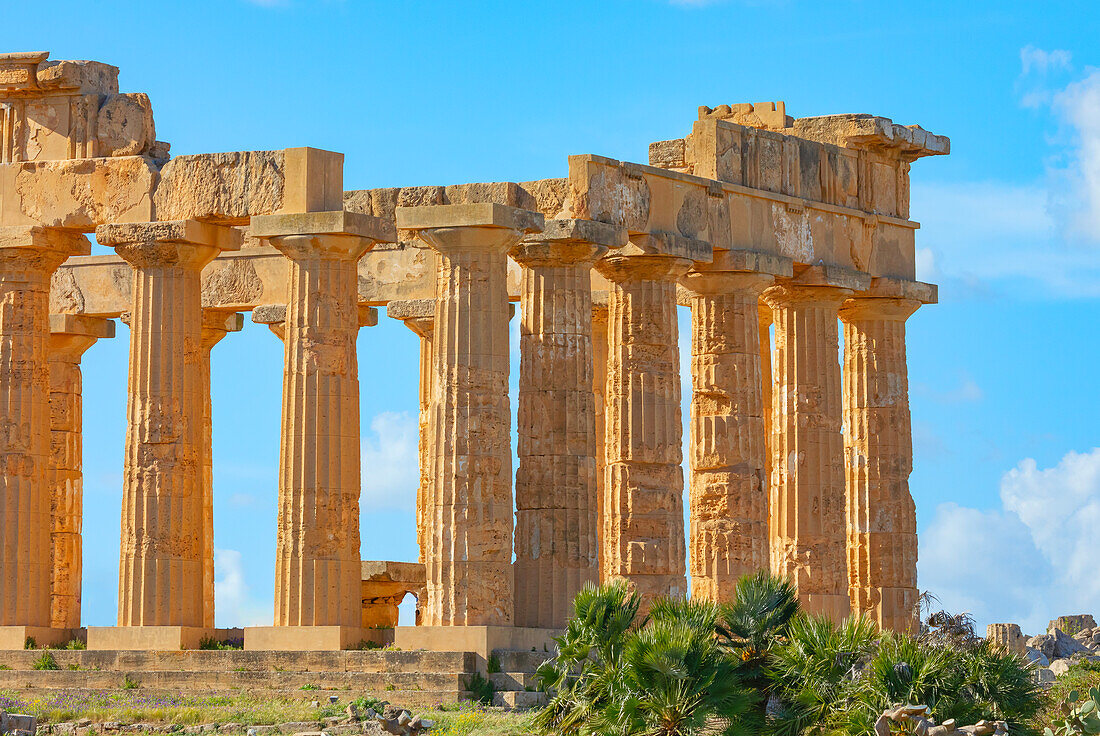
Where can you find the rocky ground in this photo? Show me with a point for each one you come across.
(1069, 640)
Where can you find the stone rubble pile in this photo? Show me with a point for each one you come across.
(1069, 640)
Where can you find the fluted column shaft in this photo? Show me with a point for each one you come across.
(317, 563)
(882, 525)
(643, 493)
(215, 326)
(599, 386)
(66, 477)
(469, 559)
(807, 519)
(28, 257)
(728, 505)
(556, 514)
(160, 567)
(425, 328)
(767, 380)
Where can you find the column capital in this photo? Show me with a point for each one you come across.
(217, 323)
(274, 316)
(625, 268)
(716, 283)
(72, 334)
(187, 243)
(417, 314)
(568, 241)
(817, 284)
(38, 247)
(465, 227)
(902, 289)
(338, 234)
(878, 308)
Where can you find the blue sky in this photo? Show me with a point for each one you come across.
(1004, 399)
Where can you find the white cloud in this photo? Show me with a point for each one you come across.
(1028, 562)
(965, 391)
(390, 462)
(1077, 185)
(233, 602)
(1037, 60)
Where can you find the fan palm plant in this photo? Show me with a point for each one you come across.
(757, 619)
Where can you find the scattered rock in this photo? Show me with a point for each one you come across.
(352, 712)
(1044, 643)
(1060, 667)
(1044, 676)
(1066, 646)
(1038, 657)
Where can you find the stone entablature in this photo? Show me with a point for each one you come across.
(798, 461)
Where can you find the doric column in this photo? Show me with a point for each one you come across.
(28, 257)
(215, 325)
(599, 386)
(317, 564)
(766, 381)
(882, 524)
(807, 521)
(70, 336)
(469, 559)
(556, 510)
(728, 496)
(643, 493)
(419, 316)
(161, 560)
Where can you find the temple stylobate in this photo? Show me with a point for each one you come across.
(779, 235)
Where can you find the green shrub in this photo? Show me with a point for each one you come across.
(46, 661)
(129, 683)
(481, 688)
(1077, 717)
(30, 643)
(493, 664)
(75, 645)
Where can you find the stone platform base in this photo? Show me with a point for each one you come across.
(311, 638)
(482, 640)
(836, 607)
(15, 637)
(147, 638)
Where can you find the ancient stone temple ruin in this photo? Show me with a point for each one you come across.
(779, 234)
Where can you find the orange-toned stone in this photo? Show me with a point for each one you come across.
(468, 562)
(28, 257)
(882, 522)
(70, 336)
(317, 565)
(556, 510)
(643, 491)
(807, 521)
(163, 540)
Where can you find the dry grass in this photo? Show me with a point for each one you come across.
(468, 719)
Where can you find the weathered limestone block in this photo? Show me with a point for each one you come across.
(70, 337)
(1072, 624)
(77, 194)
(1008, 636)
(807, 525)
(599, 389)
(229, 188)
(69, 110)
(882, 523)
(385, 585)
(728, 497)
(317, 565)
(215, 325)
(556, 508)
(643, 487)
(419, 316)
(469, 558)
(161, 561)
(28, 257)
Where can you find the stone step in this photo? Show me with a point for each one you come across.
(372, 682)
(412, 699)
(371, 660)
(519, 699)
(514, 680)
(511, 661)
